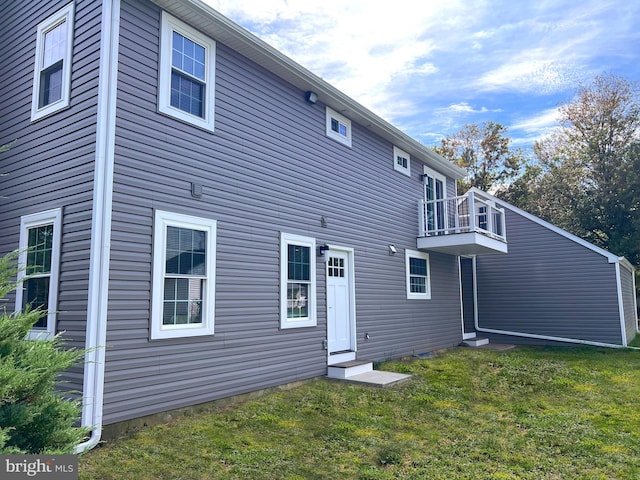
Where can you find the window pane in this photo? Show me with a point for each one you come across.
(55, 42)
(188, 56)
(51, 85)
(36, 294)
(297, 296)
(186, 253)
(299, 266)
(40, 246)
(187, 94)
(418, 285)
(182, 301)
(418, 266)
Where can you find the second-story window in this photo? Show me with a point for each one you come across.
(401, 161)
(187, 64)
(52, 73)
(338, 127)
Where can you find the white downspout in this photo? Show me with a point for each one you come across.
(96, 330)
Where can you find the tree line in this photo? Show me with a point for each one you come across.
(584, 177)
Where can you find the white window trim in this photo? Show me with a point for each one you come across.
(413, 295)
(162, 221)
(343, 139)
(50, 217)
(64, 15)
(169, 25)
(397, 152)
(287, 239)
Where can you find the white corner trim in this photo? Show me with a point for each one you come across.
(96, 332)
(623, 326)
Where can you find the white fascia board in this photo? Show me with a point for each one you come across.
(219, 27)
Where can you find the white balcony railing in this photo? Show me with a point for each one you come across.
(464, 214)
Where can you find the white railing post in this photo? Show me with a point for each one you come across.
(456, 215)
(490, 219)
(503, 221)
(472, 213)
(423, 229)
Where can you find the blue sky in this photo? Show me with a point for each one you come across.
(429, 67)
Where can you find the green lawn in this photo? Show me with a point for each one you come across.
(528, 413)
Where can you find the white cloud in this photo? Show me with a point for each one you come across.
(464, 107)
(536, 127)
(425, 65)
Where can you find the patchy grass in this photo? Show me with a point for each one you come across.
(529, 413)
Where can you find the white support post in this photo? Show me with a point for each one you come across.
(472, 213)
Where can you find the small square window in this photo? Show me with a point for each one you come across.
(338, 127)
(401, 161)
(52, 72)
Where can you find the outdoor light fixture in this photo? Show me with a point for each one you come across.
(322, 249)
(311, 97)
(392, 250)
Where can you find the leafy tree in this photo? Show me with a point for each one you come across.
(587, 179)
(485, 152)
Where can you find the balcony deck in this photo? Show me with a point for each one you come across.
(464, 225)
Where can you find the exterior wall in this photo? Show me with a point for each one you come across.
(628, 302)
(51, 163)
(548, 285)
(267, 168)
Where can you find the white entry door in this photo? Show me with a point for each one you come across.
(340, 304)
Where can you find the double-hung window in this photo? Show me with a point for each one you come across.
(297, 281)
(39, 261)
(184, 276)
(418, 277)
(52, 72)
(338, 127)
(187, 65)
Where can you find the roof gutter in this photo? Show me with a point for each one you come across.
(96, 331)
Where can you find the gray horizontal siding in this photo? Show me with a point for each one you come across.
(51, 163)
(548, 285)
(267, 168)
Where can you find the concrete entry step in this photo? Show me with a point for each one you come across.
(476, 342)
(378, 378)
(361, 371)
(349, 369)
